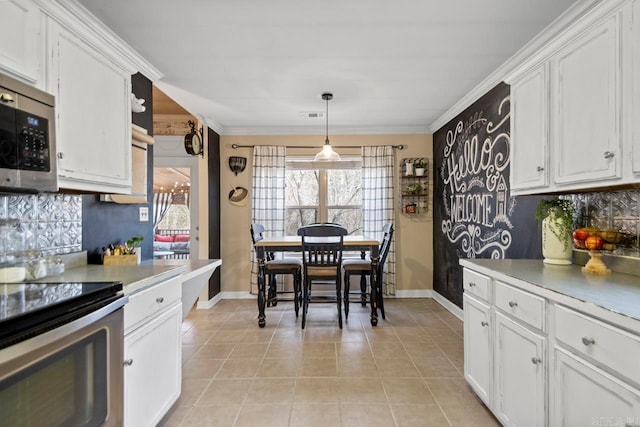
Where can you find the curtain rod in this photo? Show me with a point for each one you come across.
(234, 146)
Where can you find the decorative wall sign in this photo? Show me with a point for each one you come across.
(474, 214)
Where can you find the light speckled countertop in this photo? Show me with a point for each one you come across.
(134, 277)
(616, 292)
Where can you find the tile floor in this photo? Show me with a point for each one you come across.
(407, 371)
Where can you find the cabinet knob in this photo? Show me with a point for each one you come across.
(160, 300)
(471, 284)
(539, 169)
(5, 97)
(536, 360)
(608, 154)
(483, 323)
(61, 155)
(513, 304)
(128, 362)
(588, 341)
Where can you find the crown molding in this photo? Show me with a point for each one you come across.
(526, 55)
(83, 23)
(298, 130)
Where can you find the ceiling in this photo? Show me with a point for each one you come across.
(253, 66)
(167, 180)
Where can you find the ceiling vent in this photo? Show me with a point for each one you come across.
(313, 114)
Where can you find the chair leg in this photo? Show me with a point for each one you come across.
(339, 300)
(274, 291)
(381, 304)
(296, 292)
(305, 302)
(271, 293)
(363, 290)
(346, 294)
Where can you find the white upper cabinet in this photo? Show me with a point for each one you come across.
(635, 92)
(575, 104)
(530, 130)
(93, 116)
(21, 40)
(586, 106)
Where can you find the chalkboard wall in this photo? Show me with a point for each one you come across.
(474, 214)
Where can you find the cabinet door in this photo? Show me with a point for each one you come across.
(586, 121)
(93, 117)
(585, 395)
(20, 39)
(153, 369)
(520, 374)
(530, 130)
(477, 347)
(635, 74)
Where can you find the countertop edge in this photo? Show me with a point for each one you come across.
(622, 315)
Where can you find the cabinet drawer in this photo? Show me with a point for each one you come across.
(476, 284)
(610, 346)
(148, 302)
(520, 304)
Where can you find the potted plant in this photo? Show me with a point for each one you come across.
(556, 218)
(413, 189)
(420, 166)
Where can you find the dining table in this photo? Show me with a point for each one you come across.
(362, 244)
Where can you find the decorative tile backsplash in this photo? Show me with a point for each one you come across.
(55, 220)
(616, 210)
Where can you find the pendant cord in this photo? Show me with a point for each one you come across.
(326, 141)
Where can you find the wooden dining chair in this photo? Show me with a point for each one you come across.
(322, 246)
(363, 268)
(279, 266)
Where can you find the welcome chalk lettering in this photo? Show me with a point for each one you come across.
(476, 154)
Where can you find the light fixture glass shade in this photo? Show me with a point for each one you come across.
(326, 154)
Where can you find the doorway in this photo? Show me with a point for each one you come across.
(176, 230)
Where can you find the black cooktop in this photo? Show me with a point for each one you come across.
(28, 309)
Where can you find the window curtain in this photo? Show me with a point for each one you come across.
(161, 203)
(267, 201)
(378, 165)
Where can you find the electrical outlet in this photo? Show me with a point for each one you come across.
(144, 214)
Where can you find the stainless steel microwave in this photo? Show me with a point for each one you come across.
(27, 138)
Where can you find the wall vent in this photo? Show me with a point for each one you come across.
(313, 114)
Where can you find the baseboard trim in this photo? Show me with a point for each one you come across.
(451, 307)
(412, 293)
(205, 305)
(238, 295)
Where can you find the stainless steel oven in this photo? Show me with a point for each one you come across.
(27, 138)
(62, 364)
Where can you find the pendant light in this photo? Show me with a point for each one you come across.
(327, 154)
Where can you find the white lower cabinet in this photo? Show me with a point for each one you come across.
(477, 347)
(584, 395)
(152, 354)
(519, 374)
(536, 360)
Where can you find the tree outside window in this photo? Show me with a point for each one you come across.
(323, 195)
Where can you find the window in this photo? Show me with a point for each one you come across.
(323, 195)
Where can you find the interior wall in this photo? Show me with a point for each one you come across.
(414, 251)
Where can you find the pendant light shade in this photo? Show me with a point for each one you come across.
(327, 154)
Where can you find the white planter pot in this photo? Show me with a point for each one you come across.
(419, 171)
(553, 248)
